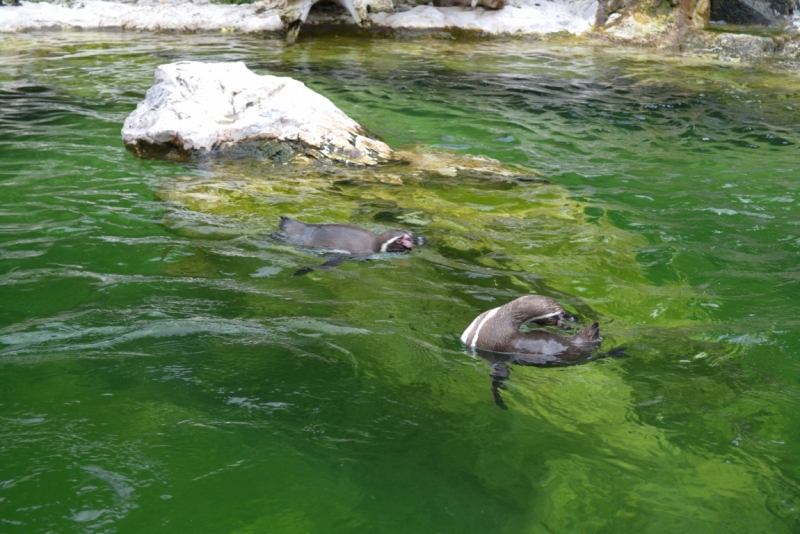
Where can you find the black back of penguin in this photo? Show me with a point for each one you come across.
(346, 239)
(342, 238)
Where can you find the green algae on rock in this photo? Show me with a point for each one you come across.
(479, 214)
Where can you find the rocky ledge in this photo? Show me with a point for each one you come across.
(517, 17)
(674, 24)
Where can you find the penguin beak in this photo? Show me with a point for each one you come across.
(565, 317)
(410, 241)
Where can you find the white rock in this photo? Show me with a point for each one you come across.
(95, 14)
(525, 17)
(532, 17)
(197, 109)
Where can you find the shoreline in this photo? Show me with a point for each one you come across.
(525, 19)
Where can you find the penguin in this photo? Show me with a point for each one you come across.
(495, 336)
(344, 241)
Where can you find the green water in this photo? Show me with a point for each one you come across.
(161, 370)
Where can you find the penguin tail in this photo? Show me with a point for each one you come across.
(589, 334)
(291, 226)
(284, 222)
(284, 228)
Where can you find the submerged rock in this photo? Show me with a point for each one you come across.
(738, 47)
(199, 109)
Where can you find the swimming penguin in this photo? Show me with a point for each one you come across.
(345, 241)
(495, 335)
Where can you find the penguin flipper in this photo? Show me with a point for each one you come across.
(302, 271)
(617, 352)
(331, 262)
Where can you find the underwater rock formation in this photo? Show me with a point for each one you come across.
(742, 47)
(200, 109)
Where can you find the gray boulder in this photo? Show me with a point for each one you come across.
(757, 12)
(207, 109)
